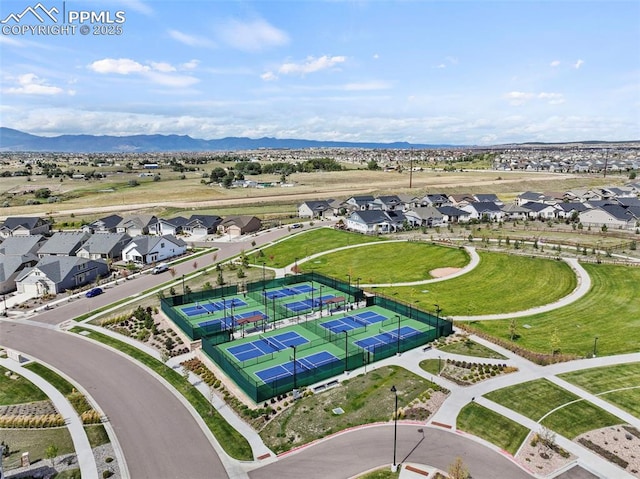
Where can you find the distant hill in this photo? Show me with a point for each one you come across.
(15, 140)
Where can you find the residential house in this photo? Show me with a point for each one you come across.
(424, 216)
(452, 214)
(386, 203)
(488, 198)
(151, 249)
(540, 210)
(236, 226)
(173, 226)
(484, 211)
(436, 200)
(314, 209)
(514, 212)
(108, 224)
(409, 201)
(107, 246)
(530, 197)
(136, 225)
(55, 274)
(360, 202)
(461, 199)
(609, 215)
(24, 226)
(567, 210)
(202, 225)
(16, 254)
(63, 244)
(371, 222)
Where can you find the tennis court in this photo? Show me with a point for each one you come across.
(305, 304)
(266, 345)
(308, 363)
(211, 307)
(230, 321)
(353, 321)
(386, 337)
(289, 291)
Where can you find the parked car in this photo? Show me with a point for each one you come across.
(94, 292)
(161, 268)
(296, 225)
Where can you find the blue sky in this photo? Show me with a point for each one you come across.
(455, 72)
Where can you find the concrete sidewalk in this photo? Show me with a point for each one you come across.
(86, 460)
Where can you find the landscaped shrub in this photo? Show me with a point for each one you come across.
(608, 455)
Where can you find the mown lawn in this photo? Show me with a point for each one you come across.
(610, 311)
(307, 243)
(611, 380)
(491, 426)
(388, 262)
(532, 399)
(18, 391)
(501, 283)
(34, 441)
(536, 399)
(470, 348)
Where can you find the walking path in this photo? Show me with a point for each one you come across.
(86, 460)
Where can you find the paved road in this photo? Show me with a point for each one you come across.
(158, 435)
(347, 455)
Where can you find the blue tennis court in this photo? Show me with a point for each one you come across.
(211, 307)
(266, 345)
(305, 304)
(342, 324)
(290, 291)
(369, 317)
(230, 321)
(308, 363)
(386, 337)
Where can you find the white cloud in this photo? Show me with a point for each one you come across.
(190, 65)
(31, 84)
(191, 40)
(157, 72)
(252, 36)
(269, 76)
(311, 65)
(121, 66)
(553, 98)
(518, 97)
(376, 56)
(555, 63)
(578, 64)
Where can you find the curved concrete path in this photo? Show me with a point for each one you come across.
(84, 454)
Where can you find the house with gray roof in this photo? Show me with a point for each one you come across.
(201, 225)
(108, 224)
(360, 202)
(488, 198)
(136, 225)
(541, 211)
(314, 209)
(63, 244)
(16, 254)
(386, 203)
(24, 226)
(513, 211)
(453, 214)
(173, 226)
(55, 274)
(485, 210)
(107, 246)
(424, 216)
(371, 222)
(152, 249)
(609, 215)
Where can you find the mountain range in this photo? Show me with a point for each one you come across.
(15, 140)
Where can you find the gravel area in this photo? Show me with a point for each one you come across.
(540, 460)
(619, 441)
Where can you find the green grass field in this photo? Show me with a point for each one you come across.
(609, 311)
(492, 427)
(18, 391)
(499, 284)
(536, 399)
(470, 348)
(611, 380)
(388, 262)
(35, 441)
(308, 243)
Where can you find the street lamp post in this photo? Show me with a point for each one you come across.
(263, 275)
(394, 467)
(439, 364)
(295, 384)
(595, 344)
(438, 311)
(183, 290)
(398, 334)
(346, 350)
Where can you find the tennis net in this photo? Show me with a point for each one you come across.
(361, 321)
(274, 343)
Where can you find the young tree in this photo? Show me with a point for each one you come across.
(513, 328)
(457, 470)
(51, 452)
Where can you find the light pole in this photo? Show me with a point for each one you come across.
(394, 467)
(183, 290)
(398, 334)
(263, 275)
(439, 364)
(295, 267)
(319, 301)
(295, 384)
(349, 283)
(346, 349)
(438, 311)
(595, 344)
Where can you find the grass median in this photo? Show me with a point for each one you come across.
(231, 440)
